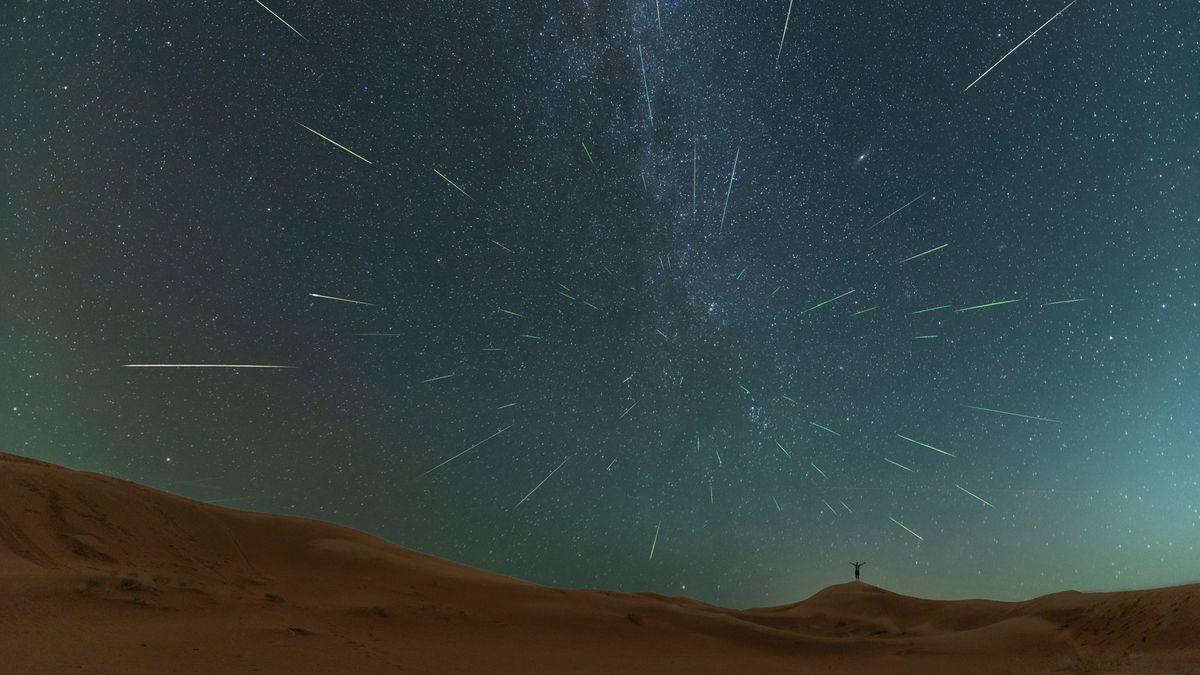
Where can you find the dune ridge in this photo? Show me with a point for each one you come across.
(101, 575)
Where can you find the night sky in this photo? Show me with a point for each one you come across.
(618, 347)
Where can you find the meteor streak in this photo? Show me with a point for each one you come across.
(589, 155)
(831, 509)
(1062, 302)
(629, 408)
(336, 143)
(467, 450)
(1019, 45)
(1004, 412)
(512, 313)
(647, 86)
(781, 37)
(929, 309)
(540, 484)
(826, 302)
(435, 379)
(820, 472)
(819, 426)
(330, 297)
(729, 189)
(785, 450)
(981, 499)
(864, 311)
(201, 365)
(280, 19)
(655, 542)
(925, 445)
(990, 304)
(898, 210)
(455, 186)
(898, 464)
(847, 507)
(936, 248)
(906, 528)
(694, 158)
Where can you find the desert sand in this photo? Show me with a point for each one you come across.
(100, 575)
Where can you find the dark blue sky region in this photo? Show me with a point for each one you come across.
(617, 340)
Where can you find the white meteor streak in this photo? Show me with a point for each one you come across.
(629, 408)
(468, 450)
(1019, 45)
(281, 19)
(655, 542)
(899, 209)
(331, 297)
(336, 143)
(781, 37)
(435, 379)
(200, 365)
(543, 481)
(730, 188)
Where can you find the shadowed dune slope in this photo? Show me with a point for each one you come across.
(100, 575)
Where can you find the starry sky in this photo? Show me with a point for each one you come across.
(596, 352)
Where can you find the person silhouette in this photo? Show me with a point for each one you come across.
(856, 566)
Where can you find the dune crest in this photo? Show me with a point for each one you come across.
(101, 575)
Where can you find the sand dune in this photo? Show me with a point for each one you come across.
(99, 575)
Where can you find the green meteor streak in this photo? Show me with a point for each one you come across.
(785, 451)
(777, 506)
(532, 337)
(936, 248)
(506, 405)
(831, 510)
(591, 305)
(924, 445)
(924, 337)
(1062, 302)
(819, 426)
(789, 398)
(1003, 412)
(647, 86)
(740, 274)
(929, 309)
(744, 389)
(681, 380)
(502, 246)
(775, 291)
(589, 155)
(512, 313)
(847, 507)
(898, 464)
(822, 304)
(864, 311)
(990, 304)
(985, 502)
(906, 528)
(452, 184)
(819, 471)
(566, 295)
(710, 493)
(719, 462)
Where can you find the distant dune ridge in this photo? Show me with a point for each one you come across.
(100, 575)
